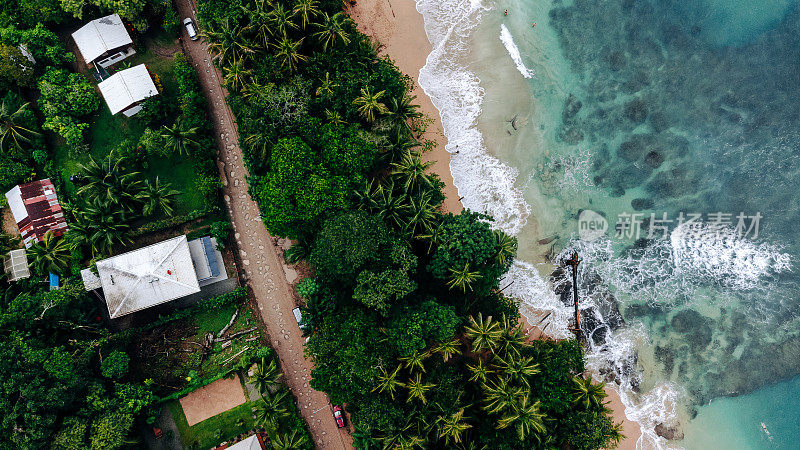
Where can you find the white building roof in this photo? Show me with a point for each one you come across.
(16, 265)
(127, 87)
(100, 36)
(147, 277)
(18, 210)
(250, 443)
(90, 280)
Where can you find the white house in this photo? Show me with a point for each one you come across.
(156, 274)
(104, 41)
(125, 90)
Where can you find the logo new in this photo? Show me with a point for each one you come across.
(591, 225)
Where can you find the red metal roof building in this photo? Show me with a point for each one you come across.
(36, 210)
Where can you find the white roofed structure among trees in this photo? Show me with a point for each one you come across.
(104, 41)
(147, 277)
(15, 265)
(125, 90)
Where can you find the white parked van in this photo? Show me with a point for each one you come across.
(298, 317)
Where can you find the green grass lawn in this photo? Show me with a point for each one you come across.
(215, 430)
(107, 132)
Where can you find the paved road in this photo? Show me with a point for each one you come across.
(262, 265)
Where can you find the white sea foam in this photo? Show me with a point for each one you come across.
(513, 51)
(484, 182)
(488, 185)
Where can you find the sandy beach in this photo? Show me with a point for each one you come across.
(399, 27)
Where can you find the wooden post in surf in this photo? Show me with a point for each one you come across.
(574, 261)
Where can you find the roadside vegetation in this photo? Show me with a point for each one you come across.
(407, 321)
(70, 379)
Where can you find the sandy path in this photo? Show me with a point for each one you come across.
(262, 265)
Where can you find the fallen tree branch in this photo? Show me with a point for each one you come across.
(234, 356)
(230, 323)
(235, 335)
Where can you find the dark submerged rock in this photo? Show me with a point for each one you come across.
(653, 159)
(571, 107)
(640, 204)
(636, 111)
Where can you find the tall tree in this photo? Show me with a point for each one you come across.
(180, 137)
(369, 104)
(588, 395)
(50, 255)
(288, 52)
(13, 135)
(157, 197)
(331, 30)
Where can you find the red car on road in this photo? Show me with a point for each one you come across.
(338, 415)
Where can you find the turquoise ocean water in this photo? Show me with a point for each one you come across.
(647, 113)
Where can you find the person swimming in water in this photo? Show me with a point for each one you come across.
(505, 13)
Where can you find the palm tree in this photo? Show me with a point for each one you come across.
(512, 338)
(453, 426)
(463, 278)
(334, 117)
(280, 20)
(259, 144)
(484, 334)
(289, 441)
(588, 395)
(52, 254)
(12, 134)
(388, 381)
(369, 105)
(287, 52)
(517, 369)
(99, 225)
(501, 395)
(415, 360)
(506, 248)
(307, 10)
(235, 75)
(226, 40)
(156, 197)
(479, 372)
(422, 214)
(259, 19)
(525, 416)
(383, 201)
(110, 180)
(179, 138)
(266, 376)
(271, 411)
(397, 147)
(402, 112)
(413, 171)
(417, 389)
(332, 30)
(448, 349)
(326, 86)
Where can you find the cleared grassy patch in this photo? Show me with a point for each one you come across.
(220, 428)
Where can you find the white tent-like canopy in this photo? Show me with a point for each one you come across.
(101, 35)
(127, 88)
(16, 265)
(147, 277)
